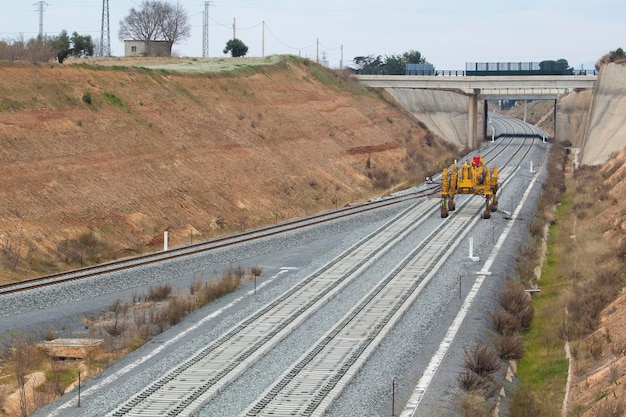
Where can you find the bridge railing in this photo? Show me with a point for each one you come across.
(459, 73)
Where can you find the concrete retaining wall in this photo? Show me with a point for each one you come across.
(444, 112)
(605, 129)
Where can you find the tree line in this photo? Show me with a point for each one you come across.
(389, 65)
(46, 48)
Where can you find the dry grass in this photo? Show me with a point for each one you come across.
(159, 293)
(482, 360)
(517, 302)
(474, 405)
(124, 327)
(581, 276)
(510, 346)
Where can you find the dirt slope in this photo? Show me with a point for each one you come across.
(97, 161)
(598, 382)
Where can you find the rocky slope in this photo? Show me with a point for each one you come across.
(96, 161)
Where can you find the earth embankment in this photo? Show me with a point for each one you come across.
(97, 161)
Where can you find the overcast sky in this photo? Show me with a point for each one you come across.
(448, 33)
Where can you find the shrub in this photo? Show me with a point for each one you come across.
(87, 97)
(177, 308)
(510, 346)
(255, 271)
(536, 227)
(115, 328)
(380, 178)
(482, 360)
(517, 302)
(238, 273)
(480, 384)
(159, 293)
(525, 263)
(470, 381)
(505, 323)
(588, 299)
(610, 408)
(595, 348)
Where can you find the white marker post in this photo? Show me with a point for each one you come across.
(471, 250)
(531, 167)
(164, 241)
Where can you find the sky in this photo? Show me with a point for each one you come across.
(447, 33)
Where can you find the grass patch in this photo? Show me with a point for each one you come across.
(6, 104)
(116, 101)
(339, 80)
(580, 275)
(543, 369)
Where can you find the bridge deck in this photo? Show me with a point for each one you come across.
(493, 86)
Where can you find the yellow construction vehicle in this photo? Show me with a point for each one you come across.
(471, 178)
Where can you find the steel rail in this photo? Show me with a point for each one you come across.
(187, 387)
(218, 243)
(314, 382)
(327, 367)
(232, 353)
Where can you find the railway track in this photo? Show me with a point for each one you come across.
(198, 248)
(313, 383)
(217, 365)
(304, 389)
(187, 387)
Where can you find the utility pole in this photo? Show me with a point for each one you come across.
(41, 8)
(234, 28)
(205, 30)
(263, 41)
(317, 54)
(341, 59)
(105, 30)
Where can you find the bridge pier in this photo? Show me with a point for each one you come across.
(412, 94)
(472, 141)
(485, 119)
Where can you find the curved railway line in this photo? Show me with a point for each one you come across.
(508, 126)
(313, 383)
(315, 380)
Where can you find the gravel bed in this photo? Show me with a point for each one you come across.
(304, 250)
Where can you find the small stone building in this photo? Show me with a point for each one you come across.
(147, 48)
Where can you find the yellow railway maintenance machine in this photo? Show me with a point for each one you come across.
(472, 178)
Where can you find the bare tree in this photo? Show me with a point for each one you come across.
(21, 363)
(176, 24)
(156, 21)
(11, 253)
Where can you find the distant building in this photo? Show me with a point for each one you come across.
(147, 48)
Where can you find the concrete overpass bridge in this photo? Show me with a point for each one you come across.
(427, 96)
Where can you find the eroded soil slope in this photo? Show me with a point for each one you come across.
(97, 161)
